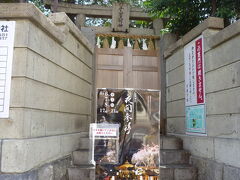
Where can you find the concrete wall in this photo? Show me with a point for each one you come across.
(217, 155)
(51, 90)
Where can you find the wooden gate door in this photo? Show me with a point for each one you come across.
(127, 68)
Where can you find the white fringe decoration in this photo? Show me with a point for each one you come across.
(114, 43)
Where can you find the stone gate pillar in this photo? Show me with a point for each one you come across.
(80, 20)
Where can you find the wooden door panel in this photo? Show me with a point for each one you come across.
(109, 79)
(127, 68)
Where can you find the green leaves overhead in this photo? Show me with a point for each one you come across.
(183, 15)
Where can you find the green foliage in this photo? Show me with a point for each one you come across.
(98, 22)
(183, 15)
(229, 10)
(40, 5)
(140, 24)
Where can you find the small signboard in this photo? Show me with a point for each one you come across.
(195, 86)
(104, 143)
(7, 31)
(104, 130)
(195, 116)
(194, 72)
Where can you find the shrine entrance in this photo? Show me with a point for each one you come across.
(127, 81)
(125, 56)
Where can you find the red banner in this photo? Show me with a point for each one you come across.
(199, 71)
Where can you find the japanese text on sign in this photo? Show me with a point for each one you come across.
(7, 31)
(194, 73)
(199, 71)
(195, 87)
(128, 109)
(104, 130)
(109, 100)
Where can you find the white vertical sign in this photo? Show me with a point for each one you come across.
(195, 87)
(194, 72)
(7, 31)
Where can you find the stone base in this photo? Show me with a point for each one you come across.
(212, 170)
(56, 170)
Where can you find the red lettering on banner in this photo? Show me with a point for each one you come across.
(199, 71)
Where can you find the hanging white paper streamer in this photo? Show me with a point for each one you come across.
(128, 43)
(144, 45)
(98, 42)
(114, 43)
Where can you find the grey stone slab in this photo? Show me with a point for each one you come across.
(81, 157)
(227, 151)
(175, 76)
(46, 173)
(84, 143)
(174, 61)
(231, 173)
(170, 142)
(176, 125)
(185, 173)
(77, 173)
(70, 143)
(178, 172)
(208, 169)
(199, 146)
(225, 34)
(22, 155)
(225, 126)
(224, 54)
(176, 108)
(223, 102)
(56, 170)
(166, 173)
(174, 157)
(32, 175)
(175, 92)
(226, 77)
(60, 18)
(60, 168)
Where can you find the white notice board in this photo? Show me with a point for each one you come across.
(195, 103)
(194, 72)
(7, 31)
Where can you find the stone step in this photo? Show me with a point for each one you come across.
(174, 157)
(170, 142)
(178, 172)
(81, 173)
(81, 157)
